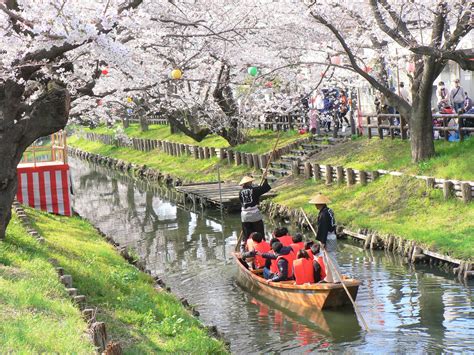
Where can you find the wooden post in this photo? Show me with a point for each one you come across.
(212, 151)
(188, 149)
(369, 129)
(238, 158)
(340, 174)
(183, 149)
(206, 153)
(403, 123)
(380, 130)
(447, 189)
(263, 160)
(316, 171)
(466, 192)
(248, 159)
(222, 153)
(99, 335)
(295, 168)
(195, 152)
(375, 175)
(256, 161)
(430, 182)
(460, 128)
(201, 153)
(363, 177)
(230, 156)
(446, 133)
(391, 129)
(350, 176)
(328, 175)
(307, 170)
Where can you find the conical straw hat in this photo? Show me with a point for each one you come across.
(319, 199)
(245, 180)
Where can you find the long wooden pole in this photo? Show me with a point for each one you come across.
(261, 182)
(338, 274)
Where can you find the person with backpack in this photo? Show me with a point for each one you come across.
(457, 96)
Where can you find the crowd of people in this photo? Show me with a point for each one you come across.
(286, 257)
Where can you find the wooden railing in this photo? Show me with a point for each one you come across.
(47, 149)
(392, 125)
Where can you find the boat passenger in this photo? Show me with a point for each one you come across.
(307, 247)
(298, 243)
(251, 217)
(282, 234)
(260, 246)
(318, 263)
(326, 235)
(303, 268)
(284, 257)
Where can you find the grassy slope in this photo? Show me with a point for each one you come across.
(259, 141)
(185, 167)
(454, 160)
(399, 206)
(142, 319)
(36, 314)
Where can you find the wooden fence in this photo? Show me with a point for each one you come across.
(393, 125)
(342, 175)
(234, 157)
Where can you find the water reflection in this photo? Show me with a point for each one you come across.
(408, 309)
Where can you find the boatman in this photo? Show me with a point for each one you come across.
(326, 235)
(251, 217)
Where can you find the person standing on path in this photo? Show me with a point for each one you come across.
(457, 96)
(252, 220)
(326, 235)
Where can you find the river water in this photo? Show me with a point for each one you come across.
(408, 309)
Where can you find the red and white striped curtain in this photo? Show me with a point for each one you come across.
(45, 188)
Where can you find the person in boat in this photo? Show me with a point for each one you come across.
(298, 243)
(251, 217)
(319, 268)
(326, 234)
(284, 257)
(282, 234)
(259, 246)
(303, 268)
(307, 247)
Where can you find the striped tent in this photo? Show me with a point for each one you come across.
(45, 187)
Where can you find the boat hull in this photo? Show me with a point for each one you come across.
(319, 296)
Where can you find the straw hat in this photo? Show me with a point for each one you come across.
(245, 180)
(319, 199)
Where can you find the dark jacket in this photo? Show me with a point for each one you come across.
(250, 196)
(283, 266)
(326, 224)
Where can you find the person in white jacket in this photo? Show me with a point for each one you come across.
(457, 96)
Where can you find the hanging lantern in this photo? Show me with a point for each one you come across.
(367, 69)
(410, 67)
(176, 74)
(104, 71)
(129, 100)
(336, 60)
(98, 102)
(253, 71)
(269, 84)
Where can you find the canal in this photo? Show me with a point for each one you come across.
(409, 309)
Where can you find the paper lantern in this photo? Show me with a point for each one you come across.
(367, 69)
(336, 60)
(411, 67)
(253, 71)
(129, 100)
(176, 74)
(105, 72)
(269, 84)
(98, 102)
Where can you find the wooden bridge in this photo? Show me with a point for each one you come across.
(213, 194)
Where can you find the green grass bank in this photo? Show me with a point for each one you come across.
(258, 141)
(37, 315)
(185, 167)
(401, 206)
(453, 160)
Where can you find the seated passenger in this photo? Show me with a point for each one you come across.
(284, 259)
(298, 243)
(307, 247)
(318, 263)
(281, 233)
(303, 268)
(259, 246)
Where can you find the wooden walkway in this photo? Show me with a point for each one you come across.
(208, 195)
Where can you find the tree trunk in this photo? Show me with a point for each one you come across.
(421, 131)
(143, 123)
(125, 122)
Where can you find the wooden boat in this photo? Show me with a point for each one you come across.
(319, 296)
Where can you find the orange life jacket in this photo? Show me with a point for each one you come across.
(286, 240)
(310, 253)
(297, 247)
(289, 258)
(320, 261)
(262, 247)
(304, 271)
